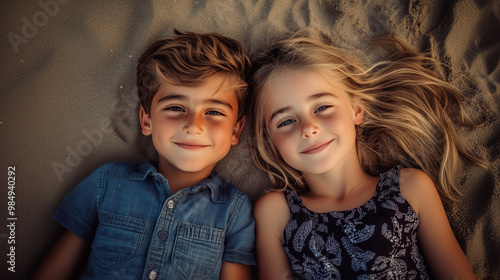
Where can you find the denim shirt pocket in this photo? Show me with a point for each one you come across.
(117, 239)
(197, 250)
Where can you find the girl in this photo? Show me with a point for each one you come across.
(340, 139)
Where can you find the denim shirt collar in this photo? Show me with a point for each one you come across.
(212, 182)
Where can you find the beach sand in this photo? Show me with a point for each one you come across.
(68, 102)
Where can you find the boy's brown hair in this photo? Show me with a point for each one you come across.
(189, 59)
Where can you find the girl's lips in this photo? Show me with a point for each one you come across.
(316, 148)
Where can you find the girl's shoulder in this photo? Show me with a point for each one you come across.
(271, 211)
(271, 202)
(416, 187)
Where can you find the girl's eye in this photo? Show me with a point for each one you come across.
(287, 122)
(174, 108)
(322, 108)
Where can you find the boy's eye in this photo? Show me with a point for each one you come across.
(322, 108)
(287, 122)
(174, 108)
(214, 113)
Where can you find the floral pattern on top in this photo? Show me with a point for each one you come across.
(377, 240)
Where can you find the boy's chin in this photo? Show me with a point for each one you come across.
(194, 167)
(197, 170)
(189, 164)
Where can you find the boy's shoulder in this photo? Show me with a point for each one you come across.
(129, 170)
(222, 191)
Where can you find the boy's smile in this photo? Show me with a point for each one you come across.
(192, 127)
(191, 146)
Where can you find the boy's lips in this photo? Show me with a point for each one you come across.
(190, 145)
(316, 148)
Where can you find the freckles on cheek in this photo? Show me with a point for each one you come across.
(283, 142)
(329, 123)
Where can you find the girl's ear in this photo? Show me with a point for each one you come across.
(145, 120)
(358, 112)
(238, 128)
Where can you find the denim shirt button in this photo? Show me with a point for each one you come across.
(170, 204)
(152, 274)
(162, 234)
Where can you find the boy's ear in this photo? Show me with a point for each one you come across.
(358, 112)
(238, 128)
(145, 120)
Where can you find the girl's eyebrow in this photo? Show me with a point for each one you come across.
(321, 94)
(311, 97)
(279, 111)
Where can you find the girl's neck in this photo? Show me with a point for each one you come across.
(343, 188)
(344, 181)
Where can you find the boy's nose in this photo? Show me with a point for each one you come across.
(194, 124)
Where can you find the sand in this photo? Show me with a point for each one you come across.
(68, 105)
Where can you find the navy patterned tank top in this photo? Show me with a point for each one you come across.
(377, 240)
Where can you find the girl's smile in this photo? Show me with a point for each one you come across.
(316, 148)
(311, 122)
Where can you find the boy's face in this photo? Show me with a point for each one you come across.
(192, 127)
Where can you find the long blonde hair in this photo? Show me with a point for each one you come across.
(411, 114)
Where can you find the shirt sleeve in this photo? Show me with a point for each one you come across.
(241, 234)
(78, 211)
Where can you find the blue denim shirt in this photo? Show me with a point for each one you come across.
(140, 230)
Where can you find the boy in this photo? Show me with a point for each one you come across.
(174, 219)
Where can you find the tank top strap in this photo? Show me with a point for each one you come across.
(390, 177)
(293, 200)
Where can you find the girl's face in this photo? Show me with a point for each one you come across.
(311, 122)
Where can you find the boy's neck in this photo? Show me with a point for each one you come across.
(179, 179)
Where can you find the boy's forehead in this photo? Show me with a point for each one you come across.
(211, 86)
(211, 89)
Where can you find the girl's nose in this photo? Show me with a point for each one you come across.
(194, 124)
(309, 129)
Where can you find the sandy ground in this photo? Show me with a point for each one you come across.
(68, 104)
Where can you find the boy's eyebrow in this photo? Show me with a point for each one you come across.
(172, 97)
(222, 102)
(184, 98)
(311, 97)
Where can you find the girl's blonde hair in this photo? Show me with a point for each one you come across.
(411, 115)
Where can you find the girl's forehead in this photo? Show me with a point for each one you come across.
(289, 80)
(299, 83)
(297, 88)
